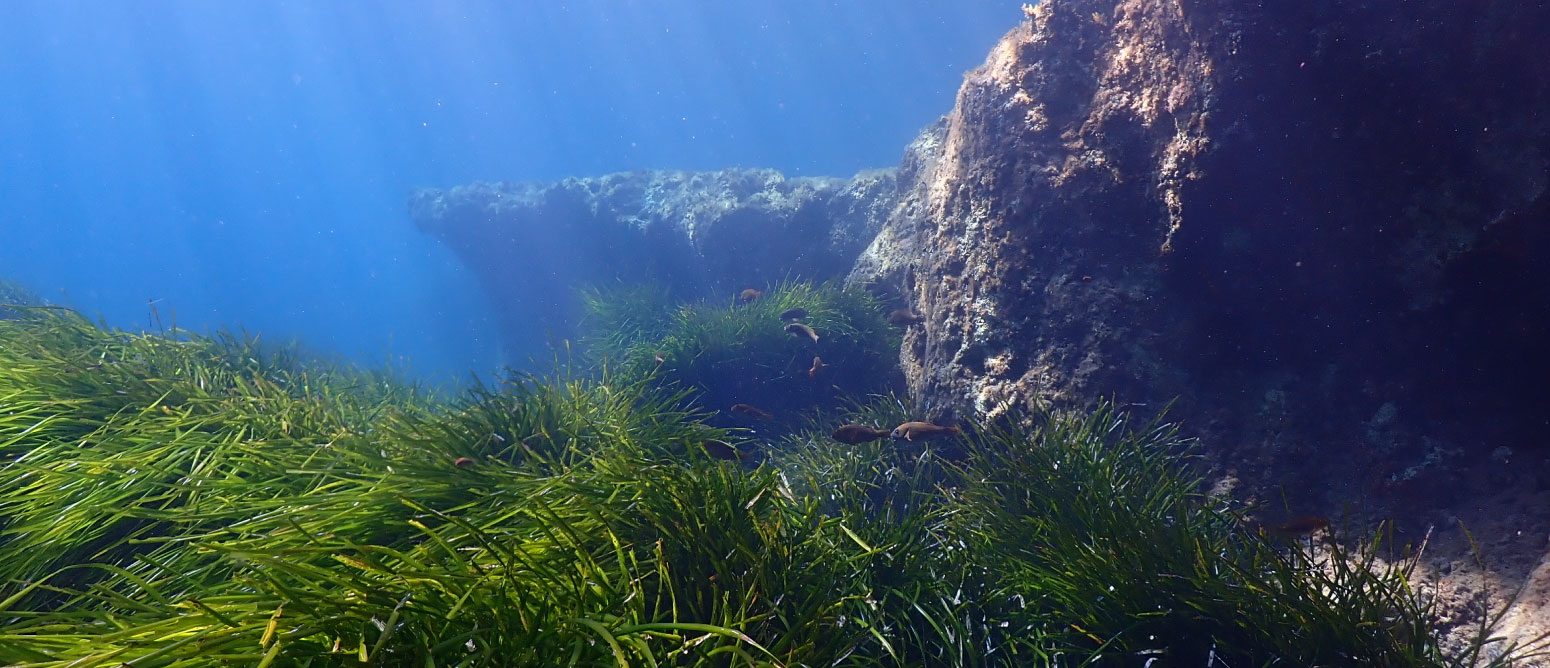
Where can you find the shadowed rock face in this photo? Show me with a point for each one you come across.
(697, 233)
(1322, 226)
(1298, 217)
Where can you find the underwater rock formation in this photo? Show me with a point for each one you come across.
(1320, 225)
(1244, 205)
(532, 245)
(1316, 228)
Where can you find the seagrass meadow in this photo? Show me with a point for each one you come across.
(178, 500)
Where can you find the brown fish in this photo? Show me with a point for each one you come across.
(818, 367)
(749, 411)
(793, 314)
(659, 357)
(1301, 526)
(463, 462)
(905, 317)
(858, 433)
(724, 451)
(800, 330)
(749, 295)
(910, 431)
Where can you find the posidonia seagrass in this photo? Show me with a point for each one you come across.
(201, 501)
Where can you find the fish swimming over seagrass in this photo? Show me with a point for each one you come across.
(793, 314)
(858, 433)
(818, 367)
(749, 411)
(749, 295)
(1302, 526)
(912, 431)
(800, 330)
(724, 451)
(905, 317)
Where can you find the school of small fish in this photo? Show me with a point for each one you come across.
(850, 433)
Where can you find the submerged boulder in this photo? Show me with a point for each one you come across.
(531, 245)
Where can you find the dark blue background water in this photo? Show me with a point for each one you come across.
(248, 162)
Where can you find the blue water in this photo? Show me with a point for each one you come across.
(247, 163)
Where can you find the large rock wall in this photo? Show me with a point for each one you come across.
(1319, 226)
(1307, 221)
(1032, 232)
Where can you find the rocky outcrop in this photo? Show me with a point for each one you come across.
(1309, 212)
(1318, 225)
(697, 233)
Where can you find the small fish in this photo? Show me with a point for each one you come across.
(905, 317)
(909, 431)
(463, 462)
(858, 433)
(1302, 526)
(793, 314)
(659, 357)
(818, 367)
(749, 295)
(724, 451)
(749, 411)
(800, 330)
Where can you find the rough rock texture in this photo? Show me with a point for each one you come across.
(533, 245)
(1320, 225)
